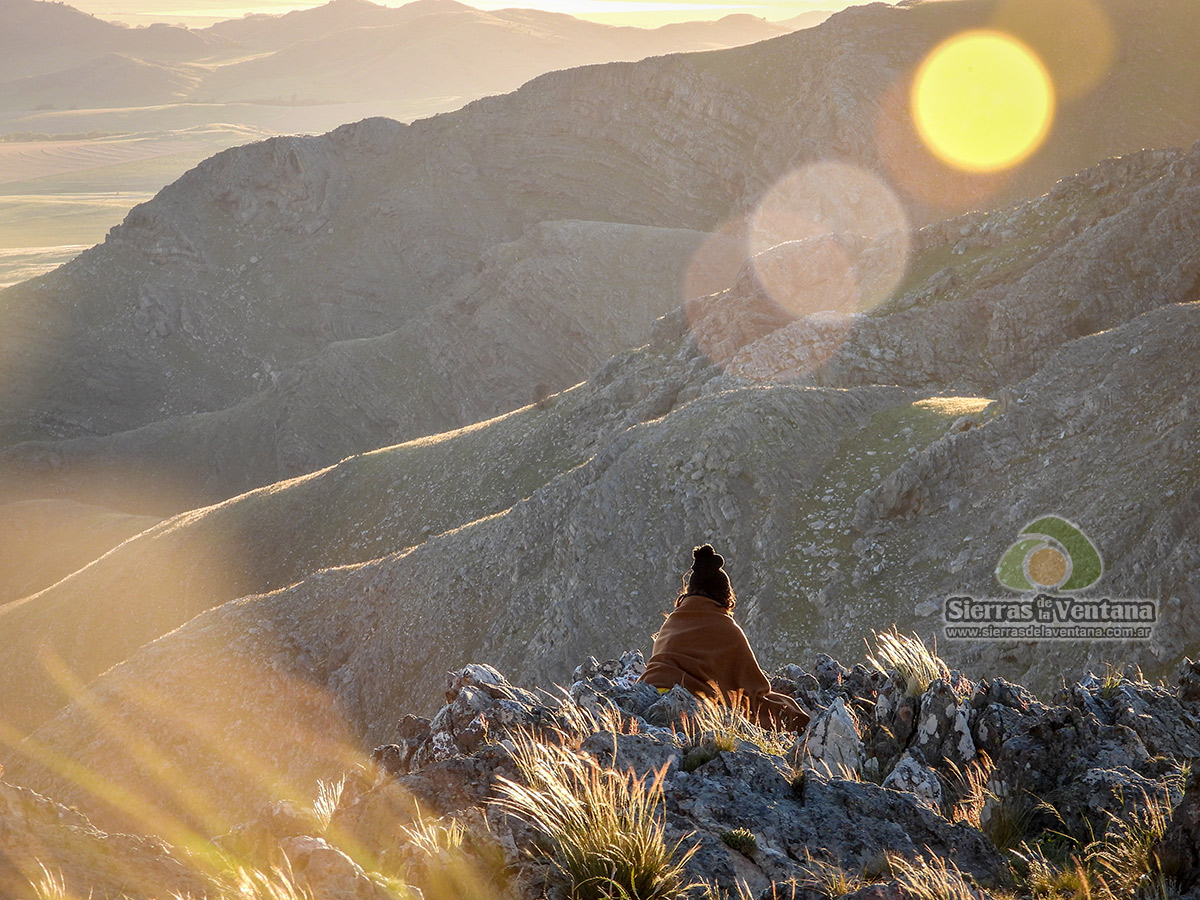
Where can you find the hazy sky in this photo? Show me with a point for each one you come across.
(621, 12)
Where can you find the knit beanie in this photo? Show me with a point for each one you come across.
(707, 577)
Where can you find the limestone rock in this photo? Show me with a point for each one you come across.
(832, 743)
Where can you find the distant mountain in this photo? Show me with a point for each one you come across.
(274, 32)
(38, 37)
(398, 59)
(111, 81)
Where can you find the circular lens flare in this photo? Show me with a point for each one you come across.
(982, 101)
(829, 237)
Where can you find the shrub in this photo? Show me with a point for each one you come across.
(740, 839)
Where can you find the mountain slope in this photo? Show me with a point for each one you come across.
(545, 310)
(456, 52)
(274, 32)
(589, 562)
(42, 541)
(683, 142)
(1101, 250)
(110, 81)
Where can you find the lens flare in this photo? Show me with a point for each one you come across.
(982, 101)
(825, 242)
(829, 237)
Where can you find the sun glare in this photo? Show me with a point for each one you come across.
(982, 101)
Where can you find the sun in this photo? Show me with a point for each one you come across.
(982, 101)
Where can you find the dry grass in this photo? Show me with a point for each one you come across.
(1125, 854)
(448, 863)
(907, 656)
(827, 878)
(1012, 819)
(1044, 879)
(278, 883)
(608, 835)
(930, 879)
(329, 795)
(726, 725)
(969, 784)
(50, 885)
(710, 890)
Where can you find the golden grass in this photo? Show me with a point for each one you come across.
(725, 725)
(970, 786)
(930, 879)
(827, 878)
(907, 656)
(1125, 854)
(608, 834)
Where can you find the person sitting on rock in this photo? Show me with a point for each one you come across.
(703, 649)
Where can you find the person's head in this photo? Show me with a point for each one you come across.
(707, 578)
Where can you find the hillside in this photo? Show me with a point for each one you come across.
(259, 32)
(42, 541)
(67, 75)
(842, 472)
(750, 309)
(456, 54)
(107, 82)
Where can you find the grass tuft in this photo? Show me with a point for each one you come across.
(1126, 852)
(827, 878)
(930, 879)
(726, 725)
(329, 795)
(608, 834)
(908, 657)
(969, 785)
(1044, 879)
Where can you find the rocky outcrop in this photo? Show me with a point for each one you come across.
(806, 487)
(1085, 764)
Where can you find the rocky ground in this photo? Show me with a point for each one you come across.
(906, 780)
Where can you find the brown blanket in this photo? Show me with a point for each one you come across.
(703, 649)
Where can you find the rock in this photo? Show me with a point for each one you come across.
(832, 742)
(328, 873)
(642, 754)
(35, 830)
(912, 776)
(672, 708)
(943, 730)
(1188, 690)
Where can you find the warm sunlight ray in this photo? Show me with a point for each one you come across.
(982, 101)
